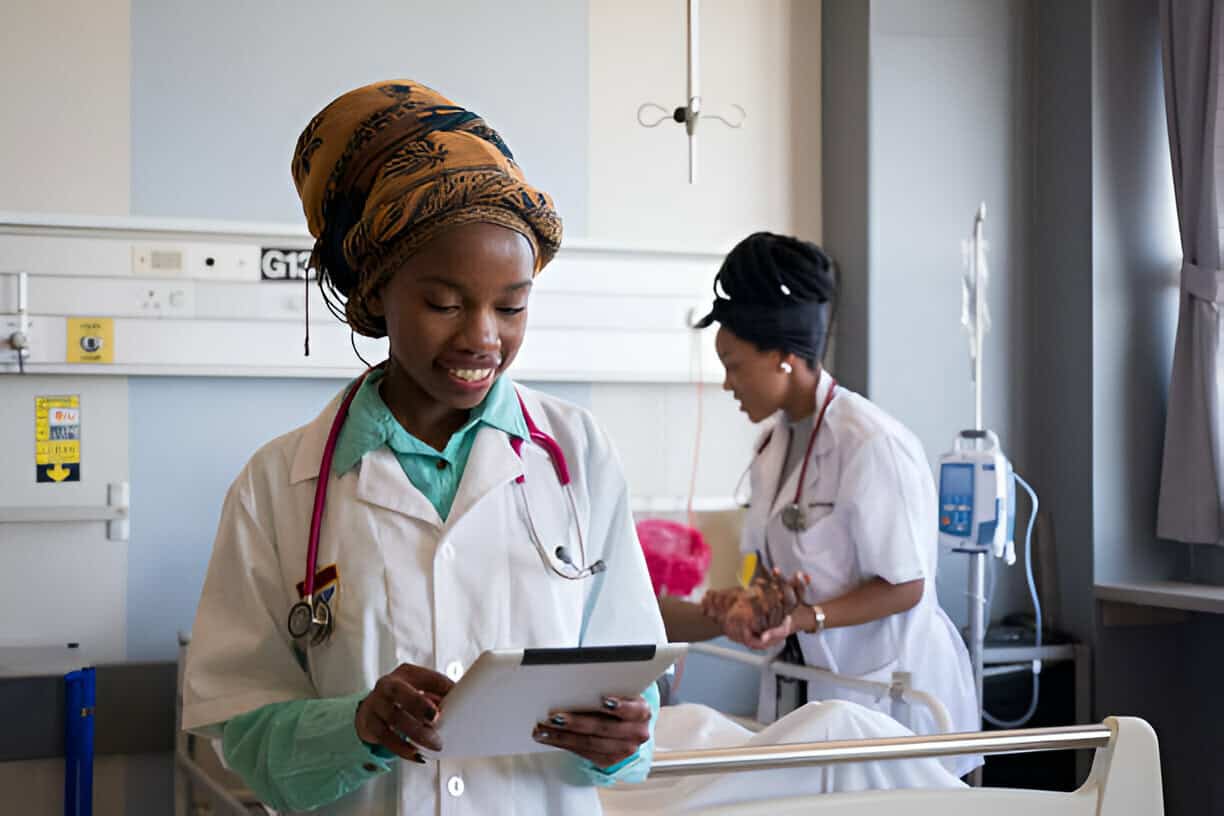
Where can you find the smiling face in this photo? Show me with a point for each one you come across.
(456, 313)
(754, 377)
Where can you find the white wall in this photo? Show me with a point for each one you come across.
(65, 90)
(221, 90)
(761, 54)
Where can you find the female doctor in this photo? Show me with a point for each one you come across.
(437, 485)
(841, 495)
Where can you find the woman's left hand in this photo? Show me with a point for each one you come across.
(603, 737)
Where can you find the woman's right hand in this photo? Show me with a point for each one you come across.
(403, 711)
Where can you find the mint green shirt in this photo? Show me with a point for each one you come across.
(303, 754)
(437, 474)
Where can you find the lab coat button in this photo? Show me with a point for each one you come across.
(454, 786)
(454, 670)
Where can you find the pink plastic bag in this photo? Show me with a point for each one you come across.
(677, 556)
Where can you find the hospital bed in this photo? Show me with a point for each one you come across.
(1125, 778)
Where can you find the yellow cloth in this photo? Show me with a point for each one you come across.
(384, 168)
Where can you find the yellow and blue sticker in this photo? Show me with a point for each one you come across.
(57, 439)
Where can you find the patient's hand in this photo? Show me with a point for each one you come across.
(717, 602)
(764, 614)
(776, 597)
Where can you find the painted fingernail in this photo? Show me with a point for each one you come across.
(557, 720)
(431, 715)
(611, 703)
(420, 759)
(540, 735)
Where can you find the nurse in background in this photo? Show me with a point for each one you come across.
(843, 503)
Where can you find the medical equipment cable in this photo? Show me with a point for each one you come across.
(690, 519)
(1032, 584)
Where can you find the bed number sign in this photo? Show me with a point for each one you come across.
(285, 265)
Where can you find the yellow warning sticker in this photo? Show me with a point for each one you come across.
(91, 340)
(57, 439)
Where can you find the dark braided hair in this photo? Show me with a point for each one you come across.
(776, 292)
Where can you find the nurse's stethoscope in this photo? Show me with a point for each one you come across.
(794, 516)
(314, 615)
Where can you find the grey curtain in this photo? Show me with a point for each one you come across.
(1191, 498)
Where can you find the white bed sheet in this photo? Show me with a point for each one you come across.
(694, 727)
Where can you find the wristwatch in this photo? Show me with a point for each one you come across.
(819, 614)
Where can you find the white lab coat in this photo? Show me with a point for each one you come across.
(871, 507)
(413, 589)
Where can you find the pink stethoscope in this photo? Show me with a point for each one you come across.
(314, 615)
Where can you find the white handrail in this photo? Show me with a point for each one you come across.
(939, 713)
(762, 757)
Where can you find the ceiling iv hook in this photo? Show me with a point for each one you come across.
(663, 114)
(741, 116)
(690, 113)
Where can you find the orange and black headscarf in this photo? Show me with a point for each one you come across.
(384, 168)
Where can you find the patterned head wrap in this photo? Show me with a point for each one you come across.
(384, 168)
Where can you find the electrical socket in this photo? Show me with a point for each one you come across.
(159, 299)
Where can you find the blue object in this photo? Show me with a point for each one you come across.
(956, 499)
(79, 700)
(977, 497)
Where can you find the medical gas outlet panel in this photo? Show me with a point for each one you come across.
(143, 296)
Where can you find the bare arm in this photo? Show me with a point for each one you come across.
(686, 622)
(873, 600)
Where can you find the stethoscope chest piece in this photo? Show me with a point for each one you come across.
(304, 619)
(793, 518)
(300, 618)
(323, 622)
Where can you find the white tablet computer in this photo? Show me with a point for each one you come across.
(494, 708)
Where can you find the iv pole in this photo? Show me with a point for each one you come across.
(690, 113)
(977, 554)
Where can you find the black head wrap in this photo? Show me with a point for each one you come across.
(775, 292)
